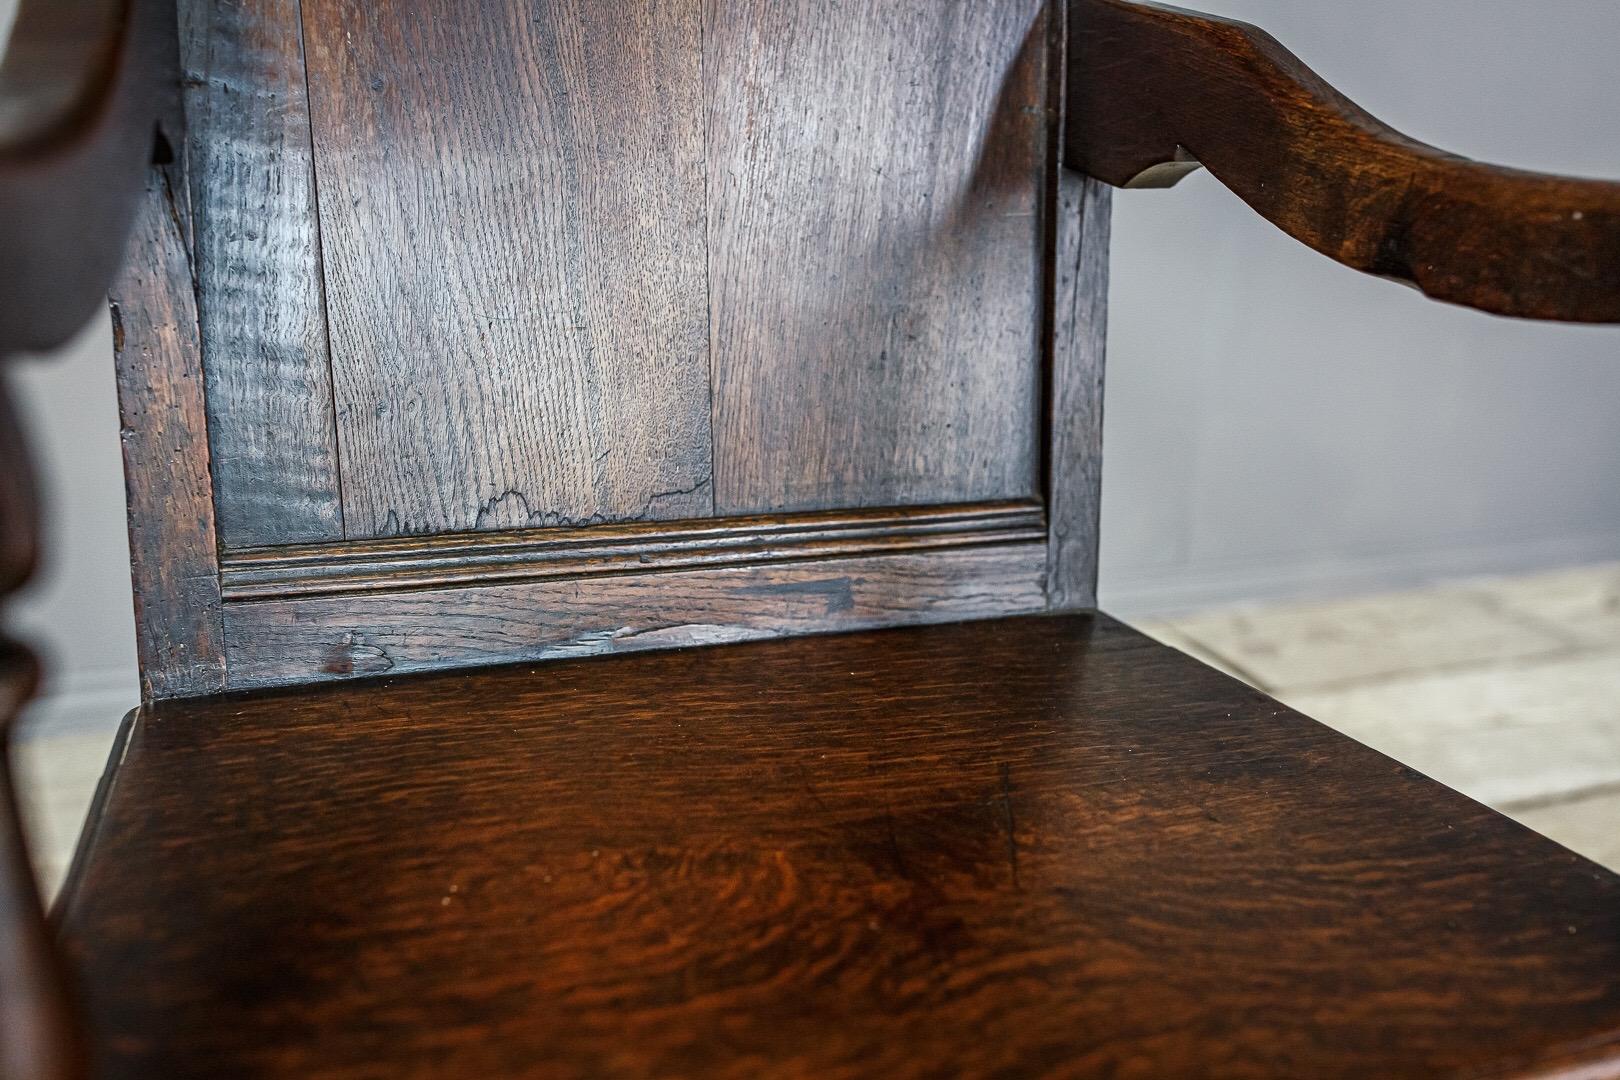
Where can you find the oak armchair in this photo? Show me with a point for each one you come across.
(613, 501)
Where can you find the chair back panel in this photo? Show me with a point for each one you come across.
(538, 327)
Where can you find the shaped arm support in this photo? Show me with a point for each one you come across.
(1154, 92)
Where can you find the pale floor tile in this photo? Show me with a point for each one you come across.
(58, 776)
(1503, 734)
(1165, 632)
(1589, 826)
(1583, 603)
(1304, 645)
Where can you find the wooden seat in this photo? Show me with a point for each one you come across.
(1001, 848)
(730, 372)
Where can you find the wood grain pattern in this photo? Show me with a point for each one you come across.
(271, 426)
(1075, 423)
(274, 642)
(1157, 90)
(172, 546)
(875, 196)
(497, 151)
(533, 555)
(512, 216)
(1028, 847)
(1012, 847)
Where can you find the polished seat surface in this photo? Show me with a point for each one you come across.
(1022, 847)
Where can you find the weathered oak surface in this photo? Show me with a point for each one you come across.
(1075, 391)
(173, 542)
(577, 263)
(324, 638)
(494, 311)
(494, 265)
(513, 222)
(258, 267)
(877, 183)
(1042, 846)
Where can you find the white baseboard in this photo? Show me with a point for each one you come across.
(1189, 588)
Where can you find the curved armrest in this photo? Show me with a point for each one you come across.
(80, 91)
(59, 60)
(79, 95)
(1156, 91)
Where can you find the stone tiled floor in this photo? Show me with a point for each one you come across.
(1508, 690)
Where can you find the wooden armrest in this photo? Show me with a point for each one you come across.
(79, 96)
(1156, 91)
(57, 64)
(80, 92)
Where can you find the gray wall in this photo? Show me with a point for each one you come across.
(1276, 424)
(79, 610)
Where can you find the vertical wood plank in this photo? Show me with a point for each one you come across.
(876, 179)
(270, 411)
(1079, 342)
(513, 220)
(173, 552)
